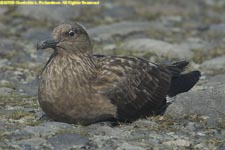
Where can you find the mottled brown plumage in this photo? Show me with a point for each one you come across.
(79, 87)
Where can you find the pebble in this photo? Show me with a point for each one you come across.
(4, 91)
(67, 141)
(179, 142)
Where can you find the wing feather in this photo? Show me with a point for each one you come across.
(138, 88)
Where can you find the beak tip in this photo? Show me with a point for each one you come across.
(46, 44)
(40, 45)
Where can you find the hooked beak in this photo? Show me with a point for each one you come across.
(50, 43)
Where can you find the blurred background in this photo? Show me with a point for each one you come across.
(158, 30)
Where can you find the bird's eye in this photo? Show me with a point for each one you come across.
(71, 33)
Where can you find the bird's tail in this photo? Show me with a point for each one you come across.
(177, 67)
(181, 83)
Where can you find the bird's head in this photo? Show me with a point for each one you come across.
(68, 38)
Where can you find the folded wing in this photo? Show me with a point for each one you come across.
(137, 88)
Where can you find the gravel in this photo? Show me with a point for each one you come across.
(156, 30)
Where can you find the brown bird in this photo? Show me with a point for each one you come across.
(79, 87)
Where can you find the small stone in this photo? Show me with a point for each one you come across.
(143, 122)
(179, 142)
(127, 146)
(170, 20)
(4, 91)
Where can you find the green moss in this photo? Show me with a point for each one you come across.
(217, 8)
(123, 52)
(215, 141)
(149, 16)
(17, 115)
(195, 118)
(33, 122)
(11, 9)
(8, 85)
(222, 123)
(79, 129)
(10, 54)
(148, 55)
(18, 100)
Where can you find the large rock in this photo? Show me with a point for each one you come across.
(197, 44)
(209, 101)
(68, 141)
(30, 143)
(123, 28)
(159, 48)
(214, 65)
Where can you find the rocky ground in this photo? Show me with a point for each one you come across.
(162, 30)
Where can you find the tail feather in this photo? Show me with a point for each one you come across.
(183, 82)
(177, 67)
(181, 64)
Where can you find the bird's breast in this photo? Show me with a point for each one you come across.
(66, 94)
(63, 77)
(64, 83)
